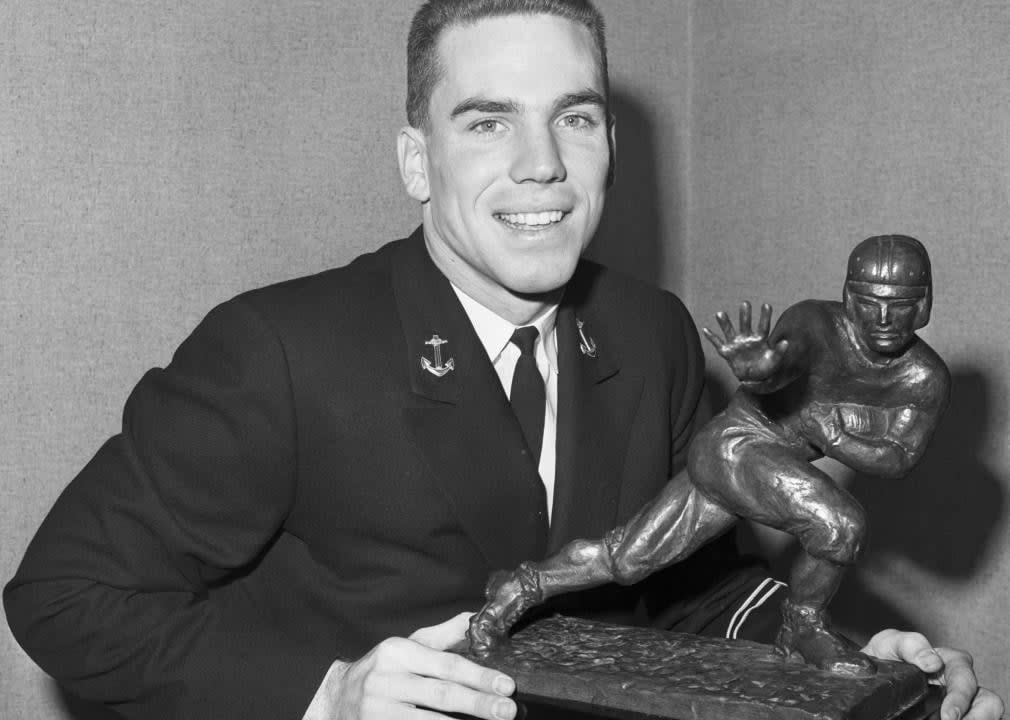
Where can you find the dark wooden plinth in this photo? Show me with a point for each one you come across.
(570, 668)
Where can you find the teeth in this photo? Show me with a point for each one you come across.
(541, 218)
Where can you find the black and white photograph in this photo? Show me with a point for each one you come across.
(567, 359)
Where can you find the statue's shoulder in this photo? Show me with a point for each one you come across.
(927, 365)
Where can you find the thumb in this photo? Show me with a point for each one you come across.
(909, 647)
(444, 635)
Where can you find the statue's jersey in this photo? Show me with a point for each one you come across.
(833, 369)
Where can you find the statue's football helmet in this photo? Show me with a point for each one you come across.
(895, 266)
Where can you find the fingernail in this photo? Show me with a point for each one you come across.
(505, 709)
(504, 685)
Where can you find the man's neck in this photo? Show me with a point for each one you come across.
(519, 309)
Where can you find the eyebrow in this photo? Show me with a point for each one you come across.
(480, 104)
(583, 97)
(484, 105)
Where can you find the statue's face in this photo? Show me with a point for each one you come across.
(885, 316)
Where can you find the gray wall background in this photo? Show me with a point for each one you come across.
(813, 126)
(159, 156)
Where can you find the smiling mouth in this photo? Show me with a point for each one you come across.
(531, 220)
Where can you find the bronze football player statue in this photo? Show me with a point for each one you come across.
(849, 380)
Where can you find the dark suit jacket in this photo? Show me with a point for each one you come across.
(294, 487)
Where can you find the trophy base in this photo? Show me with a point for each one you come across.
(571, 669)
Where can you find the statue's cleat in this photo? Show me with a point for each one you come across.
(502, 580)
(509, 595)
(854, 664)
(805, 633)
(485, 634)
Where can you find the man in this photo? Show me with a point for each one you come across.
(302, 507)
(851, 381)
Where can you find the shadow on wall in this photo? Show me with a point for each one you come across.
(941, 518)
(630, 234)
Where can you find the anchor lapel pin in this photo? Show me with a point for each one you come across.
(586, 344)
(437, 368)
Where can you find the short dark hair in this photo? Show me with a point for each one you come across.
(435, 16)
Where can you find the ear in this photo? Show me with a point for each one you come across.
(923, 308)
(412, 153)
(612, 145)
(847, 303)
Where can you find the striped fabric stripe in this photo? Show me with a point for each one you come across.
(756, 599)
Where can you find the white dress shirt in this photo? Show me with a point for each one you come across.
(495, 334)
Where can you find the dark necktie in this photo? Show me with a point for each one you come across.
(528, 397)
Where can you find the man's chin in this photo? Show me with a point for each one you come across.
(545, 286)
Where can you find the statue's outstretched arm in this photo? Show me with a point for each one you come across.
(763, 361)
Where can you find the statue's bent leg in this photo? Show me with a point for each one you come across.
(775, 485)
(667, 529)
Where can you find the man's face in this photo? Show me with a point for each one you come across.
(515, 157)
(885, 316)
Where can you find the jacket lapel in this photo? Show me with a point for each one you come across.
(596, 406)
(460, 418)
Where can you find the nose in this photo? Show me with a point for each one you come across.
(885, 314)
(538, 158)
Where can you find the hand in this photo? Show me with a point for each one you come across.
(823, 421)
(414, 678)
(951, 668)
(750, 355)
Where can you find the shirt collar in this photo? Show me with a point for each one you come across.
(494, 331)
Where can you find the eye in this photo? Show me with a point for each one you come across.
(576, 121)
(488, 126)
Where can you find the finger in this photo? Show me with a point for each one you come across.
(745, 326)
(958, 676)
(455, 668)
(987, 705)
(444, 635)
(910, 647)
(765, 320)
(727, 327)
(387, 709)
(713, 338)
(447, 696)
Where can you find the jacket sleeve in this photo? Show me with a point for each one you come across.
(115, 595)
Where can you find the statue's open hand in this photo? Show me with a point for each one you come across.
(750, 355)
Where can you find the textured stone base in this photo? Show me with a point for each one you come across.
(586, 669)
